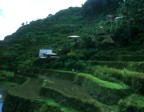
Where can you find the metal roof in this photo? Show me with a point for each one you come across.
(74, 36)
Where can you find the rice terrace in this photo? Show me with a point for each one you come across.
(81, 59)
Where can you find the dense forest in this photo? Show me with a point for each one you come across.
(99, 65)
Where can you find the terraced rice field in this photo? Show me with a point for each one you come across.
(104, 89)
(68, 87)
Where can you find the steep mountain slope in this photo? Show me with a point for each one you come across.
(52, 32)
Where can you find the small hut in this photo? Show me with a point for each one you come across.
(109, 18)
(73, 37)
(101, 30)
(47, 53)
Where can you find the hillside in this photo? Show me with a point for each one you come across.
(99, 71)
(52, 33)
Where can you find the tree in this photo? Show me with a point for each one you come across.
(131, 31)
(96, 7)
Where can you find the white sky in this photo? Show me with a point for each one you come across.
(14, 12)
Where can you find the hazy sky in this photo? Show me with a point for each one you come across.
(14, 12)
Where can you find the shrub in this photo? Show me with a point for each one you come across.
(80, 65)
(133, 103)
(78, 104)
(5, 75)
(70, 63)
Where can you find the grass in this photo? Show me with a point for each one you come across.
(134, 80)
(133, 103)
(68, 87)
(73, 101)
(133, 66)
(134, 100)
(30, 89)
(5, 85)
(113, 71)
(96, 80)
(49, 105)
(61, 71)
(104, 83)
(86, 86)
(6, 74)
(126, 58)
(62, 108)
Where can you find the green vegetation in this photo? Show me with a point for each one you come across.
(78, 104)
(4, 85)
(30, 89)
(134, 79)
(125, 58)
(68, 87)
(132, 103)
(5, 75)
(74, 75)
(101, 71)
(117, 72)
(104, 83)
(62, 108)
(133, 66)
(37, 105)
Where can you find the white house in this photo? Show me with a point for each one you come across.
(73, 37)
(47, 53)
